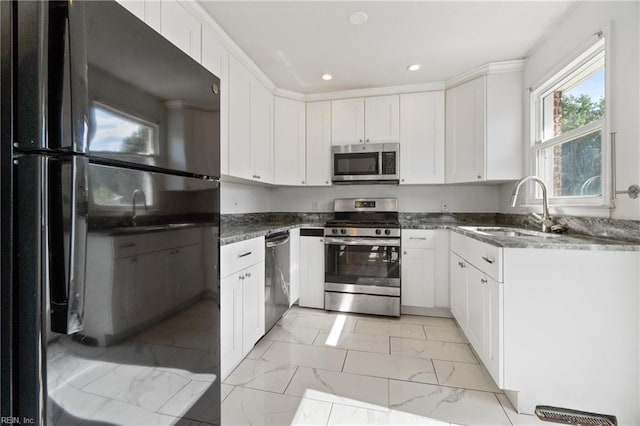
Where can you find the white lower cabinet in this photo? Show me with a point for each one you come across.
(476, 299)
(311, 270)
(241, 301)
(425, 284)
(294, 265)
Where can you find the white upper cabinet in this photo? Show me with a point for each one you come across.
(239, 120)
(484, 129)
(181, 28)
(289, 153)
(347, 121)
(382, 119)
(147, 11)
(261, 124)
(318, 128)
(250, 126)
(422, 138)
(216, 59)
(365, 120)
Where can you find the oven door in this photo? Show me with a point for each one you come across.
(362, 265)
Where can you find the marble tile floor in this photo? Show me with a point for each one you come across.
(323, 368)
(161, 376)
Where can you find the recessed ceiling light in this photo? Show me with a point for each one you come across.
(327, 77)
(414, 67)
(358, 18)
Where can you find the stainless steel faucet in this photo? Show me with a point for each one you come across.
(134, 214)
(547, 223)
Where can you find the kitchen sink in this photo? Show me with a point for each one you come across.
(509, 232)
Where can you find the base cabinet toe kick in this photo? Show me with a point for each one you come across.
(541, 322)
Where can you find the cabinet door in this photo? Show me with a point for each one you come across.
(318, 127)
(465, 132)
(417, 278)
(261, 132)
(459, 288)
(493, 331)
(216, 59)
(147, 11)
(289, 146)
(121, 312)
(186, 273)
(422, 138)
(239, 120)
(294, 269)
(230, 323)
(347, 121)
(312, 272)
(475, 308)
(181, 28)
(252, 306)
(153, 295)
(382, 119)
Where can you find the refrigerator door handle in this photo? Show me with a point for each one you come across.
(68, 94)
(67, 242)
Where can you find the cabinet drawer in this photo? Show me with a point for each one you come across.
(486, 257)
(417, 238)
(150, 242)
(237, 256)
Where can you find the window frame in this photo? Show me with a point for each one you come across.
(147, 186)
(587, 56)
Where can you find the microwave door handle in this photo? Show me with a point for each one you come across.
(67, 205)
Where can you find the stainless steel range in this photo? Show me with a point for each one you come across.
(362, 257)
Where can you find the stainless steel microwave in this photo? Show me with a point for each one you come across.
(366, 163)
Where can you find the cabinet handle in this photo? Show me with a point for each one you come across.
(417, 238)
(462, 264)
(248, 275)
(402, 180)
(404, 252)
(488, 260)
(326, 182)
(303, 182)
(479, 177)
(483, 281)
(368, 141)
(244, 254)
(360, 140)
(128, 245)
(258, 177)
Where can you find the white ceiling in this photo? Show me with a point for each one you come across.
(295, 42)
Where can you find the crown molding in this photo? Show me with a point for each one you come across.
(289, 94)
(227, 42)
(376, 91)
(490, 68)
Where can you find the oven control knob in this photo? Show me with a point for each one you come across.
(378, 232)
(343, 231)
(387, 231)
(334, 231)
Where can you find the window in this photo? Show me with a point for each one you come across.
(123, 137)
(568, 130)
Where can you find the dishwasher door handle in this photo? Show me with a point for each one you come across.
(277, 241)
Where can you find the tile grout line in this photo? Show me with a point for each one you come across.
(330, 412)
(503, 409)
(284, 392)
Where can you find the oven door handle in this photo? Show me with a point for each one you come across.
(393, 242)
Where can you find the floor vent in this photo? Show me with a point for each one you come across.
(573, 417)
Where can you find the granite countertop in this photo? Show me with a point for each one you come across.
(239, 229)
(234, 233)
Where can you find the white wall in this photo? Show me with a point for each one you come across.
(415, 198)
(574, 33)
(241, 198)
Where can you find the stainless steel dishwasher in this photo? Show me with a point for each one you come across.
(276, 277)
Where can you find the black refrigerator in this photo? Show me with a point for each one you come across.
(109, 221)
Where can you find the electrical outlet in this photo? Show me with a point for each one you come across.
(444, 206)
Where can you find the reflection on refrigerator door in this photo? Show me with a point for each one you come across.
(148, 352)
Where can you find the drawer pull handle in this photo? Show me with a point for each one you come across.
(462, 264)
(488, 260)
(128, 245)
(417, 238)
(244, 254)
(483, 281)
